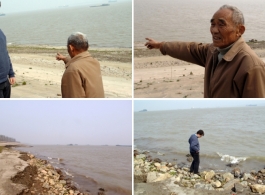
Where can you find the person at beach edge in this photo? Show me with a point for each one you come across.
(7, 75)
(232, 69)
(82, 77)
(195, 151)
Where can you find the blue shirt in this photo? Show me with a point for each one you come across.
(194, 143)
(6, 69)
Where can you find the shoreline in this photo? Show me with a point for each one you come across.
(31, 175)
(38, 73)
(157, 177)
(159, 76)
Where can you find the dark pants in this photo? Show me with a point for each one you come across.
(5, 89)
(195, 163)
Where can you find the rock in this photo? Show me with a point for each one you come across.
(208, 187)
(31, 156)
(151, 177)
(157, 160)
(244, 184)
(164, 169)
(257, 188)
(209, 175)
(259, 181)
(140, 156)
(71, 192)
(62, 182)
(247, 176)
(158, 165)
(262, 171)
(188, 155)
(178, 179)
(199, 186)
(216, 184)
(162, 177)
(228, 177)
(195, 176)
(176, 166)
(237, 172)
(239, 187)
(189, 159)
(229, 185)
(51, 181)
(46, 185)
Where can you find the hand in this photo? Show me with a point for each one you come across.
(12, 80)
(152, 44)
(60, 57)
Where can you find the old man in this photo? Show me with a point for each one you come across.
(232, 69)
(82, 77)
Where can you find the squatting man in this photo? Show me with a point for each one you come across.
(232, 68)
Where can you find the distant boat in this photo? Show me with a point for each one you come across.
(104, 4)
(251, 105)
(2, 14)
(144, 110)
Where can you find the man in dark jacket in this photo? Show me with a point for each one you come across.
(7, 75)
(195, 151)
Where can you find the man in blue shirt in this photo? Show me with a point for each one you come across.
(7, 75)
(195, 151)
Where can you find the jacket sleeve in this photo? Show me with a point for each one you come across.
(188, 51)
(194, 144)
(11, 72)
(254, 83)
(72, 85)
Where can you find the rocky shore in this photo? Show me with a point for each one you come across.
(39, 177)
(153, 176)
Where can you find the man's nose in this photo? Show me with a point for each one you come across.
(214, 29)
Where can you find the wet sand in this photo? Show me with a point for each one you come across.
(38, 74)
(159, 76)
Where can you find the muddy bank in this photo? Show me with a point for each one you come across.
(153, 176)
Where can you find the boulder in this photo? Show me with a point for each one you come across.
(236, 171)
(231, 184)
(216, 184)
(158, 165)
(157, 160)
(239, 187)
(257, 188)
(228, 177)
(140, 156)
(209, 175)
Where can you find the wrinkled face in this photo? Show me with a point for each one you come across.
(223, 30)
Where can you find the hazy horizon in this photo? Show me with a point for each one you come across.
(59, 122)
(160, 105)
(32, 5)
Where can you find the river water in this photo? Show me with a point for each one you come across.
(232, 135)
(106, 26)
(189, 20)
(92, 167)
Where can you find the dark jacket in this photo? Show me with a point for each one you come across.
(239, 74)
(194, 143)
(6, 69)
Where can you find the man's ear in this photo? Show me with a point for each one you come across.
(241, 30)
(71, 48)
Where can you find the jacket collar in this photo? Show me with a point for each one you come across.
(233, 51)
(77, 57)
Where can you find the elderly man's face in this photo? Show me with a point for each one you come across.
(223, 30)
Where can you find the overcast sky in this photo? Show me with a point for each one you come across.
(153, 105)
(10, 6)
(92, 122)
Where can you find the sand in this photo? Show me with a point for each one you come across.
(38, 74)
(158, 76)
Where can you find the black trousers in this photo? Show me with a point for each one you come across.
(195, 163)
(5, 89)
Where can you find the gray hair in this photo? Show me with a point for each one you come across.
(78, 40)
(237, 15)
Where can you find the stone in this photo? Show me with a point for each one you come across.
(237, 172)
(262, 171)
(247, 176)
(158, 165)
(259, 181)
(195, 176)
(190, 159)
(71, 192)
(62, 182)
(229, 185)
(208, 187)
(140, 156)
(239, 187)
(157, 160)
(151, 177)
(199, 186)
(164, 169)
(176, 166)
(162, 177)
(228, 177)
(209, 175)
(216, 184)
(46, 185)
(244, 184)
(51, 181)
(257, 188)
(178, 179)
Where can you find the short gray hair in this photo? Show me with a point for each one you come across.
(78, 40)
(237, 15)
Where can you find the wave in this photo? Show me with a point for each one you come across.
(231, 159)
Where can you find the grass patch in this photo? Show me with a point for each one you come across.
(24, 83)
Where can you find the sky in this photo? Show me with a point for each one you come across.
(156, 105)
(82, 122)
(12, 6)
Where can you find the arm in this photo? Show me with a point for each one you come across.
(11, 73)
(72, 85)
(62, 57)
(194, 144)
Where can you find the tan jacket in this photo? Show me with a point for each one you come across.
(239, 74)
(82, 78)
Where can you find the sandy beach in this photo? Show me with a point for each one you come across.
(158, 76)
(38, 74)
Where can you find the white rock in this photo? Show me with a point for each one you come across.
(216, 184)
(151, 177)
(140, 156)
(228, 177)
(158, 165)
(209, 175)
(257, 188)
